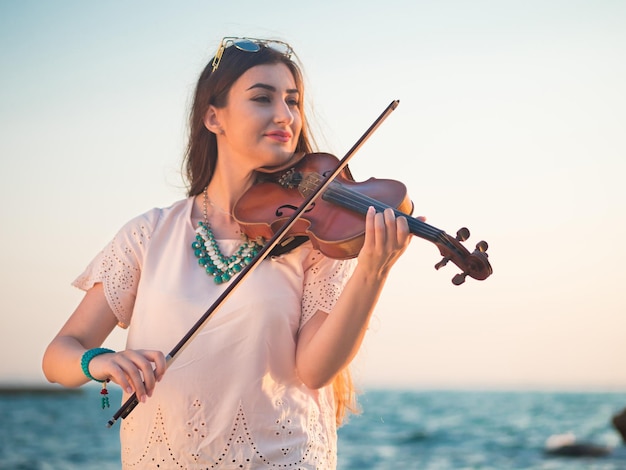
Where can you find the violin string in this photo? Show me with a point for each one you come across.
(359, 202)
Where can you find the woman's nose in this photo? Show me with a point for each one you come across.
(283, 113)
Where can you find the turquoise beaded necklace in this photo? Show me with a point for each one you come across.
(211, 258)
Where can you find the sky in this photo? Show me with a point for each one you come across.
(511, 123)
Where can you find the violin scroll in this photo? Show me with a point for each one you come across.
(475, 264)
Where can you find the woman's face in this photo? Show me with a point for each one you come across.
(261, 122)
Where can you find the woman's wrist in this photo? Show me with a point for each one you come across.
(88, 356)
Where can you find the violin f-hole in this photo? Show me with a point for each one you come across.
(279, 210)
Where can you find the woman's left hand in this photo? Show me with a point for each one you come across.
(386, 238)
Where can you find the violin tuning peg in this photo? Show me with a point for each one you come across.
(462, 234)
(459, 279)
(482, 246)
(442, 263)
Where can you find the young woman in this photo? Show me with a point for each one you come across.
(265, 383)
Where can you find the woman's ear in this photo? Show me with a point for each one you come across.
(212, 122)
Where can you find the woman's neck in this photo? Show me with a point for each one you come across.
(228, 184)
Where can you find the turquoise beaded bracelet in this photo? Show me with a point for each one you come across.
(88, 356)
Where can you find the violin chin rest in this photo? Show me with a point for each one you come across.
(295, 158)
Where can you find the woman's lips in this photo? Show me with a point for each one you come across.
(279, 135)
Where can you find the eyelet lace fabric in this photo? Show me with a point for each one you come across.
(118, 266)
(232, 398)
(322, 288)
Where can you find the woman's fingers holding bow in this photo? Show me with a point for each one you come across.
(133, 370)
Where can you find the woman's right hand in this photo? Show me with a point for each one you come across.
(88, 327)
(134, 370)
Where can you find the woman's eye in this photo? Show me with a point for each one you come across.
(294, 102)
(261, 99)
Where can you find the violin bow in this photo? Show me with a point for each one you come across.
(130, 404)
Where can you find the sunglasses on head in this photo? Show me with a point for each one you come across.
(250, 45)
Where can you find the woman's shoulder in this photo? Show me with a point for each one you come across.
(151, 219)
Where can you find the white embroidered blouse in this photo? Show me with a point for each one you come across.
(231, 399)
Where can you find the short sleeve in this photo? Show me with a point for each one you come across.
(118, 266)
(324, 280)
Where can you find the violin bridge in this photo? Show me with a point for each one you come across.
(309, 184)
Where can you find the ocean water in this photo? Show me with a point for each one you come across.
(396, 430)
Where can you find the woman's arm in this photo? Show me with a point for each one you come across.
(87, 328)
(327, 343)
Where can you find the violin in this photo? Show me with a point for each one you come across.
(335, 221)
